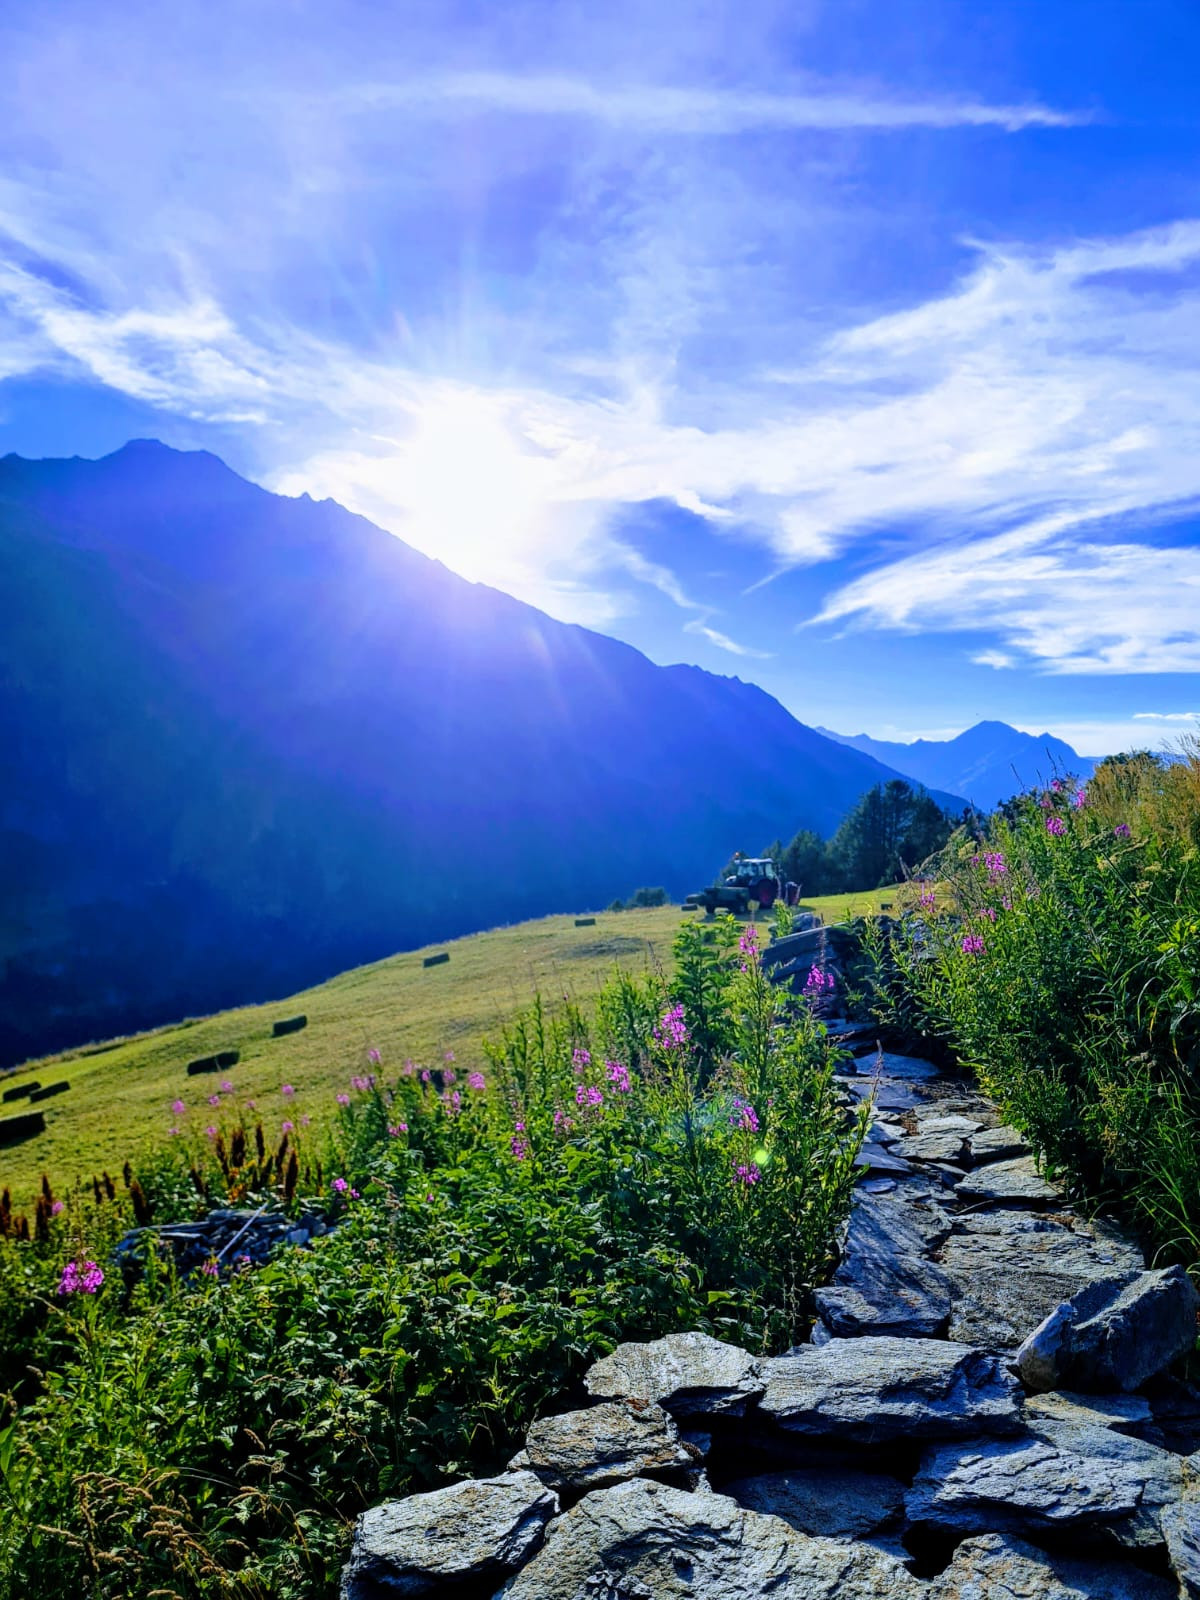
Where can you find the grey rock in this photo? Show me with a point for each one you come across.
(878, 1185)
(943, 1122)
(886, 1094)
(908, 1069)
(871, 1390)
(874, 1158)
(642, 1538)
(1013, 1182)
(479, 1530)
(942, 1147)
(1063, 1477)
(1181, 1529)
(996, 1144)
(1123, 1413)
(1114, 1335)
(883, 1283)
(1008, 1271)
(604, 1444)
(826, 1501)
(688, 1374)
(999, 1567)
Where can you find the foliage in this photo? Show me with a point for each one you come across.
(641, 899)
(1068, 979)
(597, 1175)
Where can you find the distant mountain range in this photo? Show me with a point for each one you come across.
(988, 763)
(250, 741)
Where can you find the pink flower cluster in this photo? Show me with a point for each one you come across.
(588, 1096)
(476, 1081)
(927, 898)
(1122, 830)
(748, 940)
(395, 1129)
(618, 1076)
(1055, 826)
(81, 1277)
(746, 1172)
(819, 981)
(581, 1060)
(995, 864)
(972, 944)
(670, 1031)
(743, 1116)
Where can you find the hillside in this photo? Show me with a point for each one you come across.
(119, 1103)
(252, 741)
(986, 764)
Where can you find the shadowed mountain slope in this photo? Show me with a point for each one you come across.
(251, 740)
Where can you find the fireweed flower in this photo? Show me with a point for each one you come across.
(927, 898)
(746, 1172)
(173, 1133)
(476, 1080)
(1056, 826)
(995, 863)
(972, 944)
(618, 1076)
(1079, 799)
(586, 1095)
(743, 1116)
(287, 1091)
(395, 1129)
(374, 1057)
(449, 1056)
(304, 1121)
(670, 1031)
(210, 1131)
(748, 940)
(451, 1101)
(178, 1107)
(210, 1269)
(80, 1277)
(449, 1076)
(425, 1075)
(360, 1085)
(287, 1127)
(581, 1060)
(340, 1185)
(407, 1070)
(818, 981)
(562, 1122)
(343, 1099)
(56, 1208)
(214, 1099)
(519, 1147)
(1122, 830)
(1057, 785)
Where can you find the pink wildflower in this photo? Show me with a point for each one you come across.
(343, 1099)
(178, 1107)
(210, 1269)
(746, 1172)
(581, 1059)
(743, 1116)
(374, 1057)
(449, 1056)
(476, 1081)
(519, 1147)
(210, 1132)
(226, 1086)
(586, 1095)
(340, 1185)
(1055, 826)
(80, 1277)
(287, 1091)
(214, 1099)
(287, 1127)
(397, 1128)
(1122, 830)
(56, 1208)
(618, 1076)
(670, 1031)
(972, 944)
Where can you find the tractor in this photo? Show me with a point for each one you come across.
(754, 881)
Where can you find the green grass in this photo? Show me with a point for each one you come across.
(121, 1092)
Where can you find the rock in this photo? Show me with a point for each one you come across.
(887, 1095)
(949, 1147)
(688, 1374)
(644, 1541)
(1123, 1413)
(605, 1444)
(1008, 1270)
(877, 1185)
(955, 1123)
(1181, 1529)
(482, 1529)
(883, 1283)
(1176, 1408)
(827, 1501)
(1113, 1335)
(1065, 1478)
(874, 1158)
(996, 1144)
(998, 1567)
(1013, 1182)
(908, 1069)
(872, 1390)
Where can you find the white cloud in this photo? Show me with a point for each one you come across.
(1166, 716)
(724, 642)
(670, 108)
(994, 658)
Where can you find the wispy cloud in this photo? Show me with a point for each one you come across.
(680, 109)
(1166, 716)
(723, 642)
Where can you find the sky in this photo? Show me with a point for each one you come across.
(848, 346)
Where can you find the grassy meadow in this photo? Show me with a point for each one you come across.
(119, 1103)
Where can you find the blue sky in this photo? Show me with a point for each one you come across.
(853, 347)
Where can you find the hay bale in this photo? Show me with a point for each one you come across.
(49, 1091)
(20, 1091)
(436, 961)
(203, 1064)
(585, 922)
(228, 1058)
(288, 1025)
(15, 1130)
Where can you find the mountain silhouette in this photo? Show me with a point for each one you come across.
(988, 763)
(253, 740)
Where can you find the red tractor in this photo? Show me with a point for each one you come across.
(754, 881)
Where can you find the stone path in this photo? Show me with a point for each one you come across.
(990, 1408)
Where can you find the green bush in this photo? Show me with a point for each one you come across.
(1069, 979)
(596, 1178)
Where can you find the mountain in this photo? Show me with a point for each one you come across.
(252, 740)
(988, 763)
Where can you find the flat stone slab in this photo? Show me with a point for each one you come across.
(999, 1567)
(1007, 1272)
(935, 1147)
(1016, 1182)
(824, 1501)
(889, 1094)
(605, 1444)
(1181, 1529)
(908, 1069)
(1063, 1478)
(880, 1161)
(953, 1122)
(1123, 1413)
(645, 1541)
(688, 1374)
(884, 1283)
(872, 1390)
(1113, 1335)
(477, 1531)
(996, 1144)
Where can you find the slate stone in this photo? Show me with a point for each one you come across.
(953, 1122)
(688, 1374)
(887, 1094)
(908, 1069)
(996, 1144)
(479, 1530)
(883, 1283)
(645, 1541)
(999, 1567)
(605, 1444)
(1123, 1413)
(1012, 1182)
(1181, 1529)
(1113, 1336)
(1063, 1478)
(874, 1158)
(872, 1390)
(937, 1147)
(826, 1501)
(1008, 1271)
(878, 1185)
